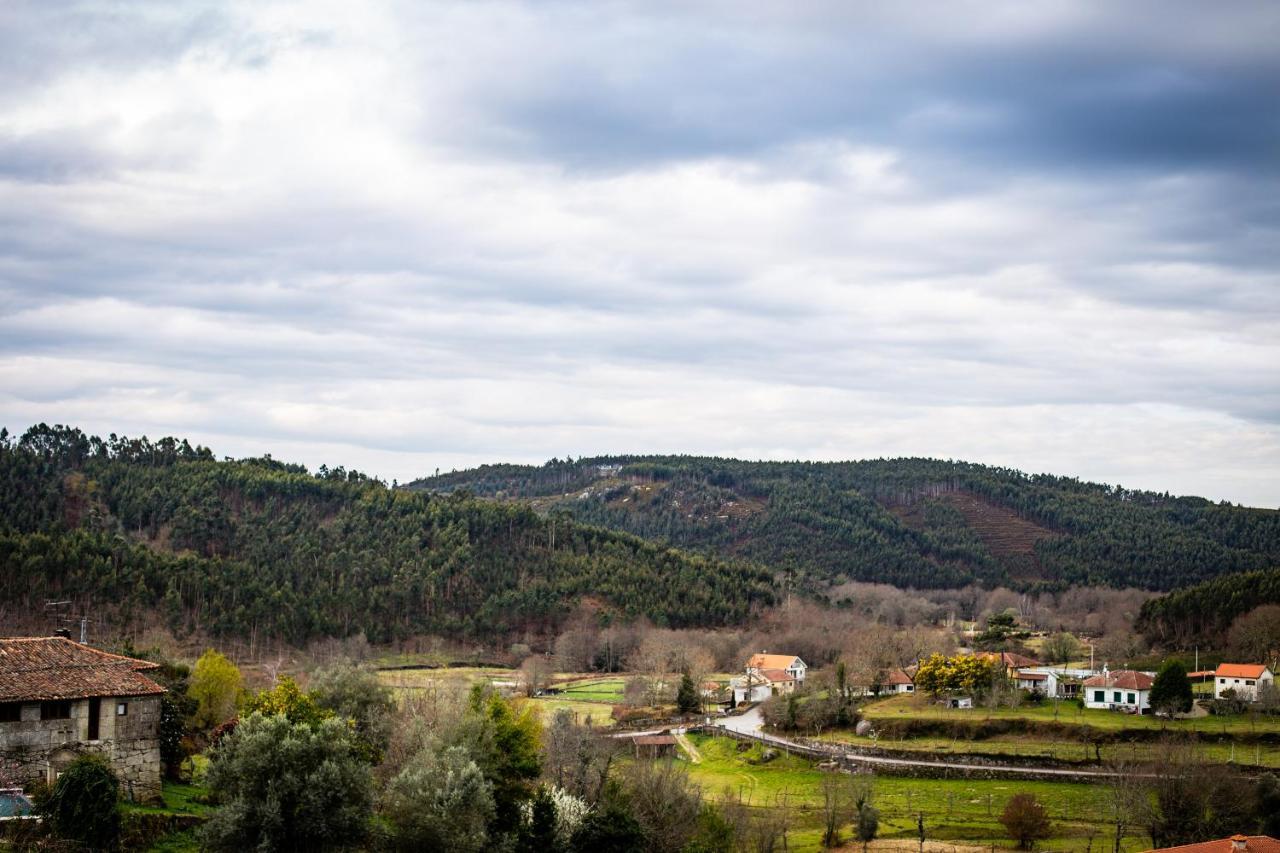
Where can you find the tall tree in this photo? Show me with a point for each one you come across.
(1171, 691)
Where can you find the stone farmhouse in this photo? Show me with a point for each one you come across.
(59, 698)
(1246, 679)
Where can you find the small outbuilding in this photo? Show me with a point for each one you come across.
(653, 746)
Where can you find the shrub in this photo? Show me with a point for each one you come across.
(83, 804)
(1026, 820)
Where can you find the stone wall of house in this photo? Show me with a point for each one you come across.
(34, 749)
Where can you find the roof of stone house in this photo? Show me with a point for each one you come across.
(1031, 676)
(897, 676)
(776, 676)
(1251, 844)
(653, 740)
(764, 661)
(34, 669)
(1125, 679)
(1240, 670)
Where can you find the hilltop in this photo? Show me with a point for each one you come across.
(145, 531)
(910, 522)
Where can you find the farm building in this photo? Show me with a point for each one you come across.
(1246, 679)
(59, 698)
(1122, 690)
(653, 746)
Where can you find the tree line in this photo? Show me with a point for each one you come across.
(257, 547)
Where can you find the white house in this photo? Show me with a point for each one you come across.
(897, 681)
(1043, 682)
(1123, 689)
(1246, 679)
(788, 663)
(1060, 681)
(750, 688)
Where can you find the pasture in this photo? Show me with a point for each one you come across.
(961, 812)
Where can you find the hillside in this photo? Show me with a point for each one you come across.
(142, 530)
(910, 522)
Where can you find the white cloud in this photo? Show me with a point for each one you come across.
(360, 237)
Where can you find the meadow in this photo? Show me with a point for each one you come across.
(963, 812)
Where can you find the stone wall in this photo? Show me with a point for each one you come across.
(33, 749)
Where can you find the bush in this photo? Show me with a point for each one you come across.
(1026, 820)
(440, 801)
(288, 786)
(83, 804)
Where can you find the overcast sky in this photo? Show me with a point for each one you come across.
(420, 235)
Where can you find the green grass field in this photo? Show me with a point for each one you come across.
(960, 811)
(607, 690)
(907, 706)
(1071, 750)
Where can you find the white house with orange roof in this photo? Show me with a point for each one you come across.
(789, 664)
(1246, 679)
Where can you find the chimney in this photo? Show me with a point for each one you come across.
(1239, 844)
(64, 633)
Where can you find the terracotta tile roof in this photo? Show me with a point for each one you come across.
(1031, 676)
(897, 676)
(1240, 670)
(653, 740)
(777, 675)
(1252, 844)
(1124, 679)
(34, 669)
(764, 661)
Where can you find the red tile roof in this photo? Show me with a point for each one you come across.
(1124, 679)
(1031, 676)
(34, 669)
(897, 676)
(777, 676)
(1253, 844)
(653, 740)
(1240, 670)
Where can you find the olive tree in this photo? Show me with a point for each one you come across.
(288, 786)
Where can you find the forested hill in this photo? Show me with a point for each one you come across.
(910, 522)
(135, 528)
(1204, 613)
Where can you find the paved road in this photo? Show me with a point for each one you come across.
(751, 723)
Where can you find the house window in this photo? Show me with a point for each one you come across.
(122, 709)
(1249, 682)
(910, 688)
(1099, 696)
(1133, 700)
(10, 712)
(55, 710)
(1115, 696)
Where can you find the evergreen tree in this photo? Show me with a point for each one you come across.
(1171, 691)
(687, 701)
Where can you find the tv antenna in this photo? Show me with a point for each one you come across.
(63, 619)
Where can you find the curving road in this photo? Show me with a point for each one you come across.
(751, 723)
